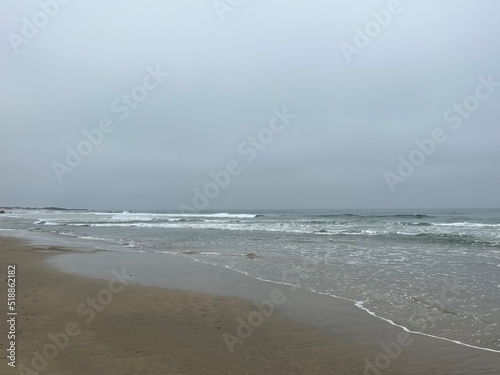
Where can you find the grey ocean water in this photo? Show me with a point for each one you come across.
(436, 272)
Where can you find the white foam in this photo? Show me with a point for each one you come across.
(466, 224)
(149, 216)
(50, 223)
(360, 304)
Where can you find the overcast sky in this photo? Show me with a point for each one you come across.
(355, 113)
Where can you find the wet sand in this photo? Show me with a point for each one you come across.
(157, 314)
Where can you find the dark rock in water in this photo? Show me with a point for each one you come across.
(2, 212)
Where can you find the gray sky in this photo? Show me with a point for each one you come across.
(353, 119)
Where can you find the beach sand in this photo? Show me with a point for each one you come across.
(147, 330)
(134, 329)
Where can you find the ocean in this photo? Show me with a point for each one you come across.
(435, 272)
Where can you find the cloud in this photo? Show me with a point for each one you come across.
(353, 120)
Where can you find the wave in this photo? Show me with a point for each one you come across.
(246, 255)
(466, 224)
(231, 216)
(418, 216)
(415, 232)
(458, 238)
(151, 216)
(375, 216)
(50, 223)
(125, 243)
(322, 222)
(476, 239)
(338, 215)
(136, 221)
(415, 224)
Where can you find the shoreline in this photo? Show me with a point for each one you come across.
(406, 329)
(313, 333)
(149, 330)
(240, 293)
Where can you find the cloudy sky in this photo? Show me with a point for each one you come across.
(360, 82)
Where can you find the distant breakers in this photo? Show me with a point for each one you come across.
(122, 107)
(372, 29)
(249, 148)
(454, 116)
(31, 26)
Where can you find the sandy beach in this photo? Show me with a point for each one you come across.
(149, 330)
(188, 322)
